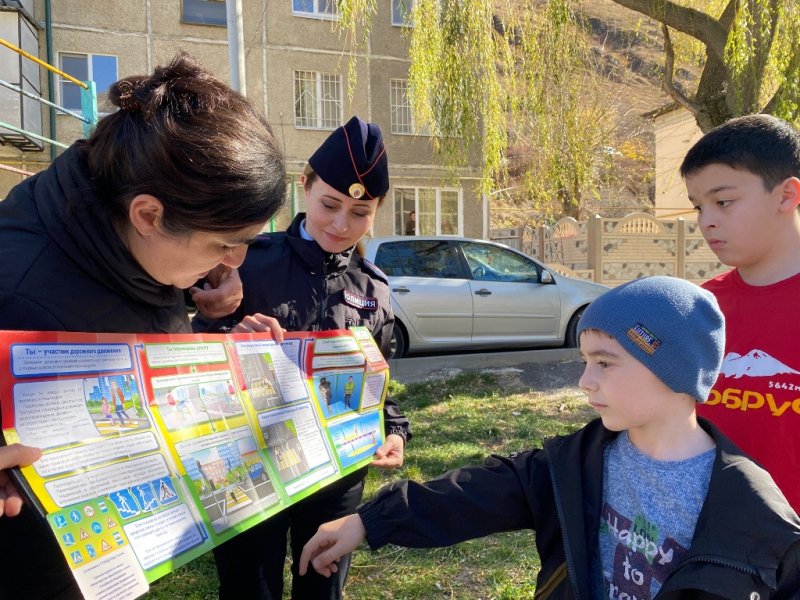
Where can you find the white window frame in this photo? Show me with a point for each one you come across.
(399, 104)
(319, 79)
(90, 77)
(400, 101)
(396, 10)
(438, 208)
(316, 13)
(459, 211)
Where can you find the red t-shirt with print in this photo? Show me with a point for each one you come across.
(756, 400)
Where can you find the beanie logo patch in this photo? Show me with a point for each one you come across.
(643, 338)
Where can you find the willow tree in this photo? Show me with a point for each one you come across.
(484, 70)
(487, 77)
(557, 111)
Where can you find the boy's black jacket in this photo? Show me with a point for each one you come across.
(746, 544)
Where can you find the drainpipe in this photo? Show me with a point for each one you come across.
(233, 12)
(51, 95)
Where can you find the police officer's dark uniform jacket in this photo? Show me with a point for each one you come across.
(308, 289)
(747, 537)
(64, 268)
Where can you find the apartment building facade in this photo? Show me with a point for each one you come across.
(297, 70)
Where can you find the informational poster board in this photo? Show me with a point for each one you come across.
(158, 448)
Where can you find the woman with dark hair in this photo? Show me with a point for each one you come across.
(170, 188)
(326, 284)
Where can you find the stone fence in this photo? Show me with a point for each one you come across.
(613, 251)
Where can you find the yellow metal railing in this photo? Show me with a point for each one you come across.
(39, 61)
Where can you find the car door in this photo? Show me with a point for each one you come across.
(428, 284)
(509, 302)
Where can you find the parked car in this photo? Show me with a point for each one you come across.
(451, 293)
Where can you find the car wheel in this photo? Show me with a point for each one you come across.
(571, 337)
(399, 343)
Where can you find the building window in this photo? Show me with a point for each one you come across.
(402, 121)
(317, 100)
(99, 68)
(400, 106)
(318, 9)
(204, 12)
(401, 12)
(448, 212)
(438, 211)
(404, 204)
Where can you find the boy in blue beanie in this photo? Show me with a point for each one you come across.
(646, 501)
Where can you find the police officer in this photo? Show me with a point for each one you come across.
(312, 277)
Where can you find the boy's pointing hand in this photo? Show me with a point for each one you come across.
(332, 541)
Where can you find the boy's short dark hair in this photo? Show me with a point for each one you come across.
(762, 144)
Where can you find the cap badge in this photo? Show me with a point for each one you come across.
(356, 191)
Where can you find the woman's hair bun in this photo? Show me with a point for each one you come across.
(180, 87)
(123, 94)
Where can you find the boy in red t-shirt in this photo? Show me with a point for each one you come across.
(742, 179)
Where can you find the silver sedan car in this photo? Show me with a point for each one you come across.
(451, 293)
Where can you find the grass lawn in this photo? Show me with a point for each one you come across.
(455, 422)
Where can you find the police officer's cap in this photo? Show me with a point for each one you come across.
(353, 161)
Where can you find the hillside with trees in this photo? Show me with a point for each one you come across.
(627, 82)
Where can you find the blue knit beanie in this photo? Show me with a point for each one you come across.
(671, 326)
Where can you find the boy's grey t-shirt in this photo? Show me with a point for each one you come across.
(650, 508)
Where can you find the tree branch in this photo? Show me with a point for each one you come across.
(690, 21)
(669, 84)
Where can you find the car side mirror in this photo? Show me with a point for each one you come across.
(547, 277)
